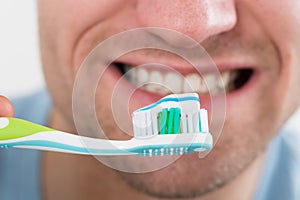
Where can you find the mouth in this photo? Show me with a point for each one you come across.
(164, 81)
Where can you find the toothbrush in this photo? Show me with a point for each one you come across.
(173, 125)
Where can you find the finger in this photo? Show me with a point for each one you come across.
(6, 107)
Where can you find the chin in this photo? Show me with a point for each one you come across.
(189, 176)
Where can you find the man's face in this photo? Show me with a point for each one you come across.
(257, 42)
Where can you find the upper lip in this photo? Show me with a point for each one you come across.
(214, 64)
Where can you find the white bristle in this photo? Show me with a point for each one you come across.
(135, 130)
(183, 123)
(148, 124)
(190, 122)
(204, 120)
(139, 122)
(154, 122)
(196, 118)
(142, 124)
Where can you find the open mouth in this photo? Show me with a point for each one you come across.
(166, 81)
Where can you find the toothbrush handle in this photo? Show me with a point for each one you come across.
(14, 128)
(20, 133)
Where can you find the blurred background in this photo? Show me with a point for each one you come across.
(20, 71)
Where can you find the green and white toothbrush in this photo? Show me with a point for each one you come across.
(173, 125)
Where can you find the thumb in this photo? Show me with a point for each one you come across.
(6, 107)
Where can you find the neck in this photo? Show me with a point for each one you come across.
(70, 176)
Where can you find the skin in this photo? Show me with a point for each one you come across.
(264, 31)
(6, 108)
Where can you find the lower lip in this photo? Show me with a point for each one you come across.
(140, 98)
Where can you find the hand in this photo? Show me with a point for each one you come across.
(6, 107)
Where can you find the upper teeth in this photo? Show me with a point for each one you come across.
(164, 82)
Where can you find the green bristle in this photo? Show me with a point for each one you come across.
(171, 120)
(177, 113)
(200, 127)
(158, 122)
(163, 121)
(167, 121)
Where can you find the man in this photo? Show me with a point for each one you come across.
(260, 36)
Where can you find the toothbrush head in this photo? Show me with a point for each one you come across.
(173, 125)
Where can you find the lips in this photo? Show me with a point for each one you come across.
(146, 83)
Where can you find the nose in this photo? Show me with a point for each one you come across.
(198, 19)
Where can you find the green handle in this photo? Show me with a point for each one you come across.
(13, 128)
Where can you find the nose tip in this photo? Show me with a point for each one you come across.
(198, 19)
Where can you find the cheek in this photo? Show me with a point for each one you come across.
(256, 114)
(63, 23)
(112, 108)
(285, 34)
(257, 120)
(290, 81)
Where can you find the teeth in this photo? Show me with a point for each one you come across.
(212, 83)
(130, 74)
(173, 80)
(193, 82)
(202, 88)
(142, 75)
(225, 78)
(163, 82)
(156, 83)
